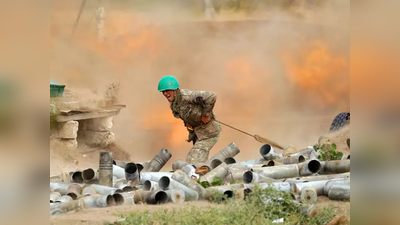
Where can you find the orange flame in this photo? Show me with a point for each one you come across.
(319, 72)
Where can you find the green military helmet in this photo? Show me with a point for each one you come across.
(168, 83)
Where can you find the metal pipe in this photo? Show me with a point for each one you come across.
(60, 187)
(64, 198)
(175, 195)
(119, 163)
(118, 172)
(332, 182)
(252, 177)
(150, 185)
(118, 198)
(318, 177)
(54, 196)
(280, 186)
(89, 175)
(88, 191)
(273, 163)
(215, 163)
(219, 194)
(318, 185)
(230, 160)
(335, 166)
(250, 162)
(339, 192)
(142, 165)
(309, 195)
(73, 205)
(309, 167)
(105, 190)
(235, 175)
(158, 161)
(221, 171)
(289, 150)
(106, 169)
(75, 191)
(178, 164)
(151, 197)
(76, 177)
(128, 198)
(190, 170)
(306, 153)
(153, 176)
(229, 151)
(279, 172)
(167, 183)
(269, 153)
(95, 201)
(291, 159)
(184, 179)
(242, 193)
(132, 173)
(123, 185)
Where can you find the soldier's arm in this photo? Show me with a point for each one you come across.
(207, 99)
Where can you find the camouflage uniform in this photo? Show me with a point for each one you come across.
(190, 106)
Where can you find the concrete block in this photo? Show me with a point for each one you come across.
(68, 130)
(97, 139)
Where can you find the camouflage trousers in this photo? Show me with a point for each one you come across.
(200, 150)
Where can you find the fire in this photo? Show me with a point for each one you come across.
(319, 72)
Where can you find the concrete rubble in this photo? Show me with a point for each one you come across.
(130, 183)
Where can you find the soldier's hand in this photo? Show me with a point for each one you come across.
(205, 119)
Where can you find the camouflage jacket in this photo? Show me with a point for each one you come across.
(190, 106)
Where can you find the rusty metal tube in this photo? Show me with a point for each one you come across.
(221, 171)
(175, 195)
(106, 169)
(279, 172)
(118, 198)
(339, 192)
(131, 172)
(217, 194)
(309, 167)
(335, 166)
(158, 161)
(229, 151)
(184, 179)
(190, 170)
(269, 153)
(75, 191)
(95, 201)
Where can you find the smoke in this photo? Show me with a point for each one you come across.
(276, 74)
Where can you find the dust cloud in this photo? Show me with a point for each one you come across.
(279, 72)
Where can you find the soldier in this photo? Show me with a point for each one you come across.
(195, 108)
